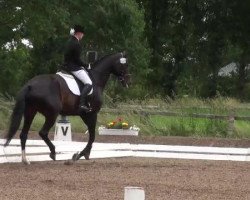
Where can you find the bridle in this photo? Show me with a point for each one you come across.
(123, 76)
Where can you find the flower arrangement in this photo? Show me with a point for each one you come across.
(118, 127)
(119, 123)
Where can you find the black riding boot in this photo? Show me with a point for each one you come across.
(82, 106)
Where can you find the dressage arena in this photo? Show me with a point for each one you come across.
(105, 178)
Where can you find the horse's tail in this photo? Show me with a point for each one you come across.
(16, 115)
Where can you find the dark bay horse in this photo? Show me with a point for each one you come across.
(49, 95)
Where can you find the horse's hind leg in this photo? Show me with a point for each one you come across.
(29, 115)
(49, 122)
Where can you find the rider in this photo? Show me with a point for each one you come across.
(74, 64)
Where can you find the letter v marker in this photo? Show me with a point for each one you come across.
(65, 131)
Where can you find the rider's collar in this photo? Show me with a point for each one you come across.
(76, 38)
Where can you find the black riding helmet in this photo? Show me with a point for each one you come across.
(79, 28)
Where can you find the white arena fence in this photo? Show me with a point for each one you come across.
(37, 150)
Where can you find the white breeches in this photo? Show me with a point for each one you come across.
(83, 76)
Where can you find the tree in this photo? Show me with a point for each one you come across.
(189, 42)
(111, 26)
(238, 34)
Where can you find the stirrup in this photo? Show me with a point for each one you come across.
(84, 108)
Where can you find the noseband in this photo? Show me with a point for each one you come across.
(123, 76)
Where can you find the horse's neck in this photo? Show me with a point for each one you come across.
(100, 79)
(101, 72)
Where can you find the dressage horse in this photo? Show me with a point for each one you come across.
(50, 96)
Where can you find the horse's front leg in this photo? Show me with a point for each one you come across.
(90, 120)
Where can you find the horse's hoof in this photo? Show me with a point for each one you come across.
(52, 156)
(86, 156)
(26, 162)
(75, 157)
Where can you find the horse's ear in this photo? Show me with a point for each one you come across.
(124, 53)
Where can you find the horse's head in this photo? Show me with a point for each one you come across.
(120, 69)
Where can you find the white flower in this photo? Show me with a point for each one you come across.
(101, 127)
(135, 128)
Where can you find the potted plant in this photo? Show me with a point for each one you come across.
(118, 127)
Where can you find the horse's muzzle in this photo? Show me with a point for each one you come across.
(125, 80)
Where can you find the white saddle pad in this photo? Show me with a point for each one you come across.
(71, 82)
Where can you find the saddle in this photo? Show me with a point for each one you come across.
(73, 83)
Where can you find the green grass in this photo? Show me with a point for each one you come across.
(188, 126)
(242, 129)
(162, 125)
